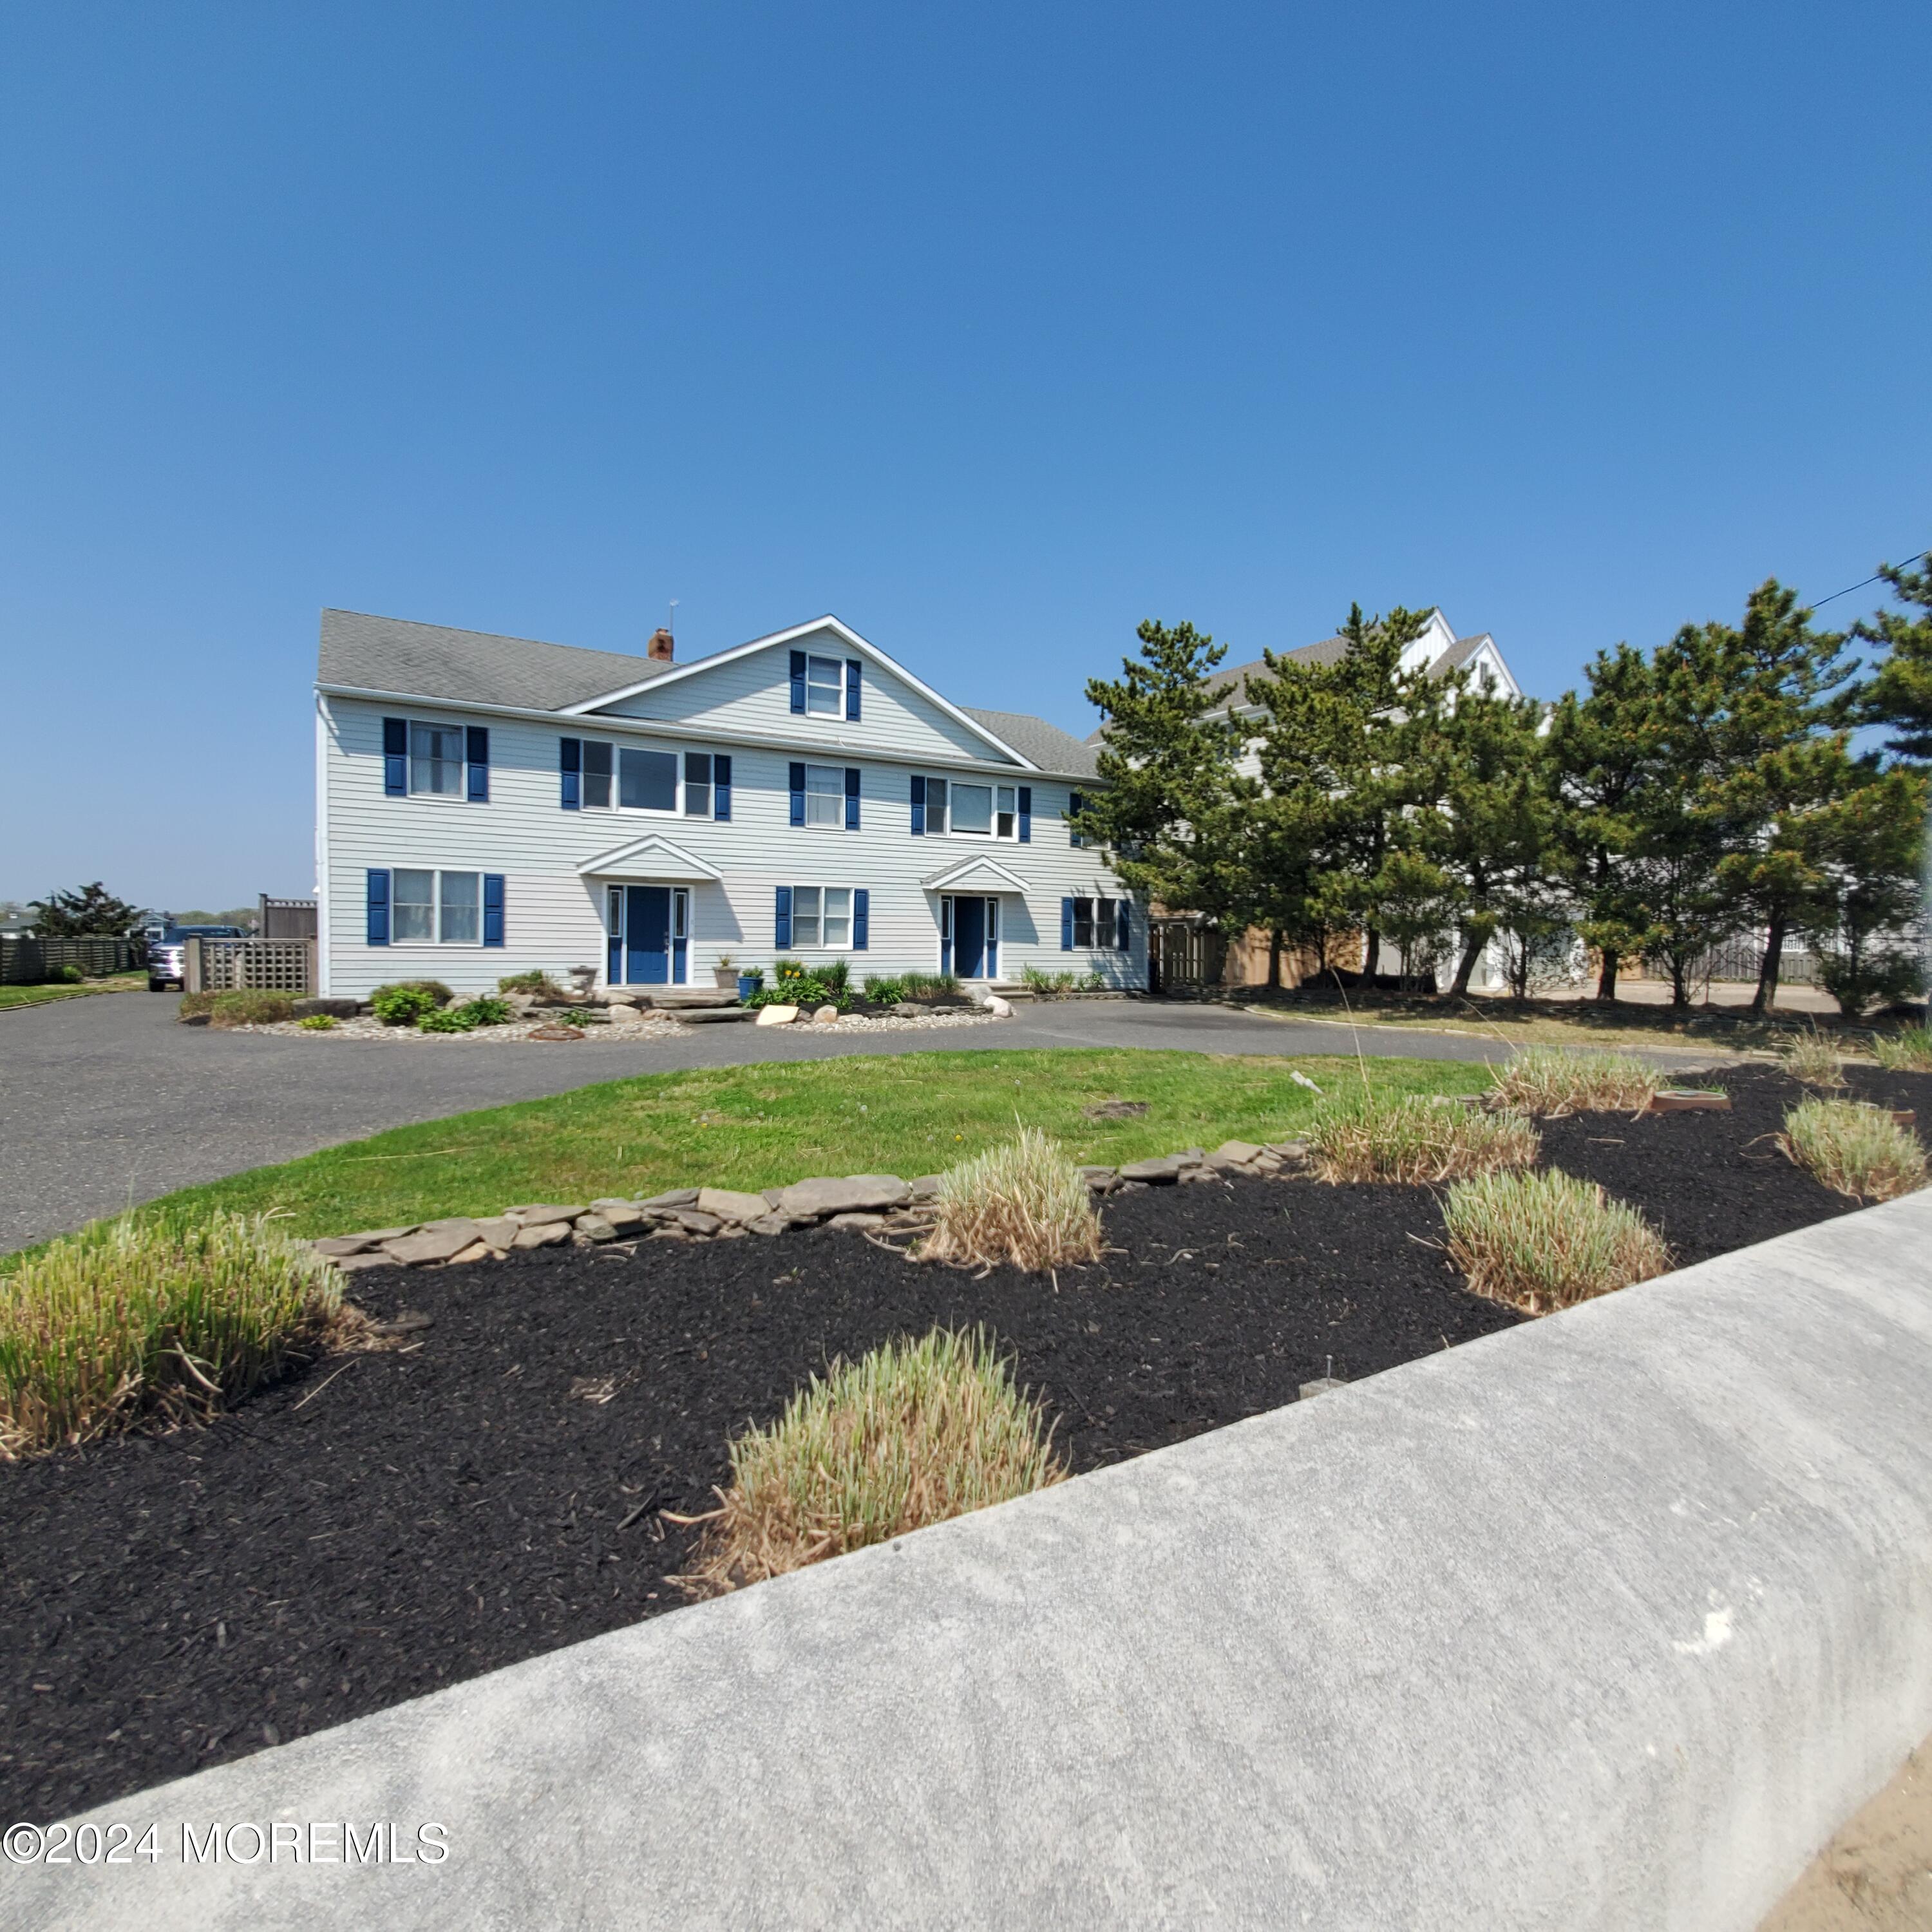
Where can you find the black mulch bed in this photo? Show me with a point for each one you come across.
(389, 1523)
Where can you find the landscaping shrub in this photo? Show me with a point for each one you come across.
(1547, 1081)
(930, 986)
(1908, 1051)
(62, 975)
(405, 1001)
(793, 984)
(1023, 1201)
(132, 1321)
(1540, 1241)
(1811, 1058)
(317, 1023)
(883, 991)
(192, 1003)
(487, 1010)
(1853, 1149)
(540, 984)
(1047, 985)
(911, 1434)
(249, 1008)
(1416, 1141)
(480, 1011)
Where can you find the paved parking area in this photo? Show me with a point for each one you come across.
(107, 1101)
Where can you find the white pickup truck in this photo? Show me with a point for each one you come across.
(167, 944)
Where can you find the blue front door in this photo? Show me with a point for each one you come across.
(649, 936)
(969, 937)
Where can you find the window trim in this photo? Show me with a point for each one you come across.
(436, 873)
(837, 688)
(680, 754)
(836, 823)
(821, 944)
(937, 809)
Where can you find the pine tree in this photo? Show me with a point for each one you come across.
(1867, 847)
(92, 910)
(1900, 694)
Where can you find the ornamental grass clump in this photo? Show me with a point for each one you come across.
(1854, 1150)
(1547, 1081)
(131, 1322)
(1908, 1051)
(1023, 1201)
(1542, 1241)
(1417, 1141)
(1811, 1059)
(911, 1434)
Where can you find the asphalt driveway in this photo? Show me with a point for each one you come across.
(105, 1102)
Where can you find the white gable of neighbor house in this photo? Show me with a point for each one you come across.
(1437, 635)
(750, 692)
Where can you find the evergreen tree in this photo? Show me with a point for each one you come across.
(1900, 694)
(91, 911)
(1171, 816)
(1867, 847)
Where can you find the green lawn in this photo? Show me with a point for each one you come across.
(759, 1126)
(39, 996)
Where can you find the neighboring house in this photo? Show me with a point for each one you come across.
(487, 804)
(1244, 960)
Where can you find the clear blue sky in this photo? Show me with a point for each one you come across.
(993, 329)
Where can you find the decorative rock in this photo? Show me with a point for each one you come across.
(706, 1015)
(672, 1197)
(351, 1264)
(693, 1221)
(1162, 1169)
(925, 1188)
(772, 1224)
(1684, 1100)
(335, 1247)
(335, 1009)
(910, 1009)
(823, 1015)
(620, 1213)
(1100, 1179)
(438, 1244)
(1290, 1154)
(552, 1032)
(546, 1234)
(1195, 1177)
(477, 1251)
(1235, 1153)
(536, 1216)
(1000, 1008)
(499, 1230)
(773, 1196)
(777, 1016)
(1115, 1110)
(674, 999)
(858, 1194)
(857, 1221)
(594, 1228)
(729, 1205)
(669, 1235)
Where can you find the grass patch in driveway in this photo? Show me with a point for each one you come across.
(762, 1125)
(41, 996)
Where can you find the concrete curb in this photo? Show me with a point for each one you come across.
(1603, 1622)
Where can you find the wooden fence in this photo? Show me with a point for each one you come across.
(286, 919)
(249, 965)
(27, 962)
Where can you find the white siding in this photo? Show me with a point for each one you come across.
(552, 917)
(752, 695)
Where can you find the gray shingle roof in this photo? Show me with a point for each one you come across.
(1329, 650)
(432, 661)
(1046, 745)
(1459, 654)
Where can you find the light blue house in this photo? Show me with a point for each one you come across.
(486, 805)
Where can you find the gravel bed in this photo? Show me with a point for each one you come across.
(647, 1026)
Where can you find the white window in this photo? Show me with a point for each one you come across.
(436, 760)
(435, 908)
(966, 811)
(821, 917)
(646, 780)
(824, 793)
(637, 778)
(825, 687)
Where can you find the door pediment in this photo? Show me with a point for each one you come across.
(979, 874)
(651, 857)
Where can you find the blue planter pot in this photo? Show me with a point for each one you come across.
(749, 983)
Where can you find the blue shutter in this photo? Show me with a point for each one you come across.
(861, 918)
(721, 787)
(851, 688)
(1066, 925)
(1075, 803)
(492, 908)
(1123, 928)
(1026, 814)
(377, 930)
(851, 798)
(798, 681)
(570, 764)
(918, 806)
(797, 797)
(782, 938)
(477, 756)
(395, 759)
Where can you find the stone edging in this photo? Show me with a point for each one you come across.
(861, 1202)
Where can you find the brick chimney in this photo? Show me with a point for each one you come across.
(661, 646)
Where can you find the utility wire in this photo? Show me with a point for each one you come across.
(1849, 588)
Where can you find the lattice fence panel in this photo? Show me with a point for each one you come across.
(254, 965)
